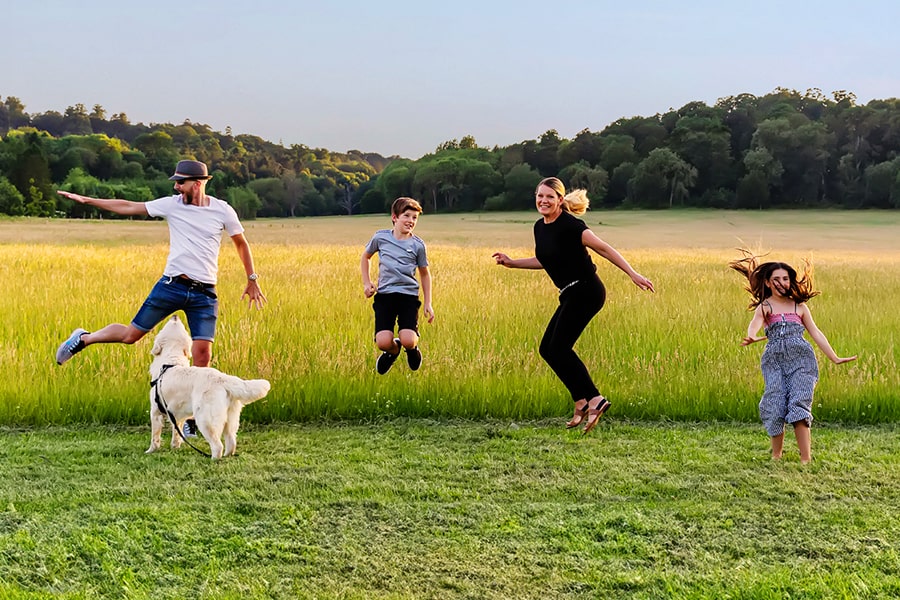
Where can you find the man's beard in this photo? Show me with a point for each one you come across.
(189, 195)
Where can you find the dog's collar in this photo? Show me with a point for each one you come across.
(161, 371)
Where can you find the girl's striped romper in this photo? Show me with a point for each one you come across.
(790, 372)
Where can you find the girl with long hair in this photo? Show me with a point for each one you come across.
(789, 367)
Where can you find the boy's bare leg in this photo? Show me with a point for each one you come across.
(390, 349)
(408, 338)
(385, 342)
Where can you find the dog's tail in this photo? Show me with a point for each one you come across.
(248, 390)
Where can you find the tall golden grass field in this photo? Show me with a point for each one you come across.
(675, 354)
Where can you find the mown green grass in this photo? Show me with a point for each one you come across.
(670, 355)
(355, 499)
(451, 509)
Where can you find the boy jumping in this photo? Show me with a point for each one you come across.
(397, 301)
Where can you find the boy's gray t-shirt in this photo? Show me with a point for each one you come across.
(397, 262)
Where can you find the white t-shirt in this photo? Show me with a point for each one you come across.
(195, 235)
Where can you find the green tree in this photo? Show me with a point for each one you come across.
(80, 182)
(76, 121)
(75, 157)
(648, 133)
(120, 127)
(704, 142)
(296, 188)
(373, 201)
(849, 185)
(452, 182)
(38, 204)
(510, 157)
(753, 191)
(764, 173)
(98, 112)
(12, 202)
(740, 118)
(159, 148)
(244, 201)
(271, 193)
(435, 178)
(480, 180)
(4, 119)
(31, 169)
(661, 179)
(320, 201)
(467, 142)
(519, 185)
(397, 179)
(594, 180)
(542, 155)
(801, 147)
(883, 185)
(586, 147)
(16, 115)
(619, 184)
(616, 149)
(50, 122)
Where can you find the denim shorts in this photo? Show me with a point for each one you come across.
(200, 306)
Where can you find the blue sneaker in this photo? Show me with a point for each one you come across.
(72, 346)
(189, 429)
(386, 360)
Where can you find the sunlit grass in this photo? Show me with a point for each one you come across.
(670, 355)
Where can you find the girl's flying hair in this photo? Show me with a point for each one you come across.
(757, 275)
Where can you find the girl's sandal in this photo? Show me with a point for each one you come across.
(578, 417)
(595, 412)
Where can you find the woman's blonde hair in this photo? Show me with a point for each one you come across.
(575, 202)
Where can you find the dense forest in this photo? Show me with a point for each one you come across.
(784, 149)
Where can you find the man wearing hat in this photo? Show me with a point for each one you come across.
(196, 222)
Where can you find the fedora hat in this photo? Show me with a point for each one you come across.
(190, 169)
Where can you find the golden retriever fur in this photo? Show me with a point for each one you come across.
(212, 398)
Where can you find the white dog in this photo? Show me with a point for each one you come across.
(211, 397)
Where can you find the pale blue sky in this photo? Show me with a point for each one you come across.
(400, 77)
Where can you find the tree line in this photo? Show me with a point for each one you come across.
(784, 149)
(88, 153)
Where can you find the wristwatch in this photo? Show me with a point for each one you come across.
(252, 276)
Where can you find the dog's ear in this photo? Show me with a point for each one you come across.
(157, 348)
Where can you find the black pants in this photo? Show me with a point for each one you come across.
(577, 306)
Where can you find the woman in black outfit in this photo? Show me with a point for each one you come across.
(561, 240)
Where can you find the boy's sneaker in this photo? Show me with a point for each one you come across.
(386, 360)
(414, 358)
(72, 346)
(189, 429)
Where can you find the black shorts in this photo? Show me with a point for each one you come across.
(399, 309)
